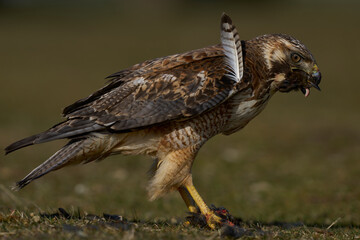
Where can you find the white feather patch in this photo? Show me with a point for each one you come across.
(232, 49)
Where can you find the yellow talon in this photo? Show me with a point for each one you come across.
(192, 198)
(187, 223)
(212, 220)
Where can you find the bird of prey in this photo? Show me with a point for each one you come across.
(169, 107)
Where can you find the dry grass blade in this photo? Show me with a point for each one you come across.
(333, 223)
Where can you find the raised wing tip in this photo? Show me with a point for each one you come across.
(225, 18)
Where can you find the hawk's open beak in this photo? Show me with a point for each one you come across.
(313, 81)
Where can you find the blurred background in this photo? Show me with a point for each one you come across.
(297, 161)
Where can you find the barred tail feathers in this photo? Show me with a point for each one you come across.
(94, 147)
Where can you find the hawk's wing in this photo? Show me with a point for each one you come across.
(176, 87)
(173, 88)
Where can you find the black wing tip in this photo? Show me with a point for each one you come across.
(11, 148)
(225, 18)
(20, 144)
(114, 75)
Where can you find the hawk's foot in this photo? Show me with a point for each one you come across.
(216, 218)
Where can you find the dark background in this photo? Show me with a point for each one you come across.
(297, 161)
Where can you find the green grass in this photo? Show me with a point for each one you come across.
(78, 225)
(292, 173)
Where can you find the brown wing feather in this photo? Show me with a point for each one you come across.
(174, 87)
(144, 68)
(115, 82)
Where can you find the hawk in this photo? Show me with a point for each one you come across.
(169, 107)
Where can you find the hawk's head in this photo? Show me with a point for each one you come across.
(290, 63)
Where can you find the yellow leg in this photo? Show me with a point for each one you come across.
(189, 201)
(211, 218)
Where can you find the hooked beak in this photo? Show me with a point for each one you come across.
(313, 81)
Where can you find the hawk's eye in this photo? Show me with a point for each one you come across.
(295, 57)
